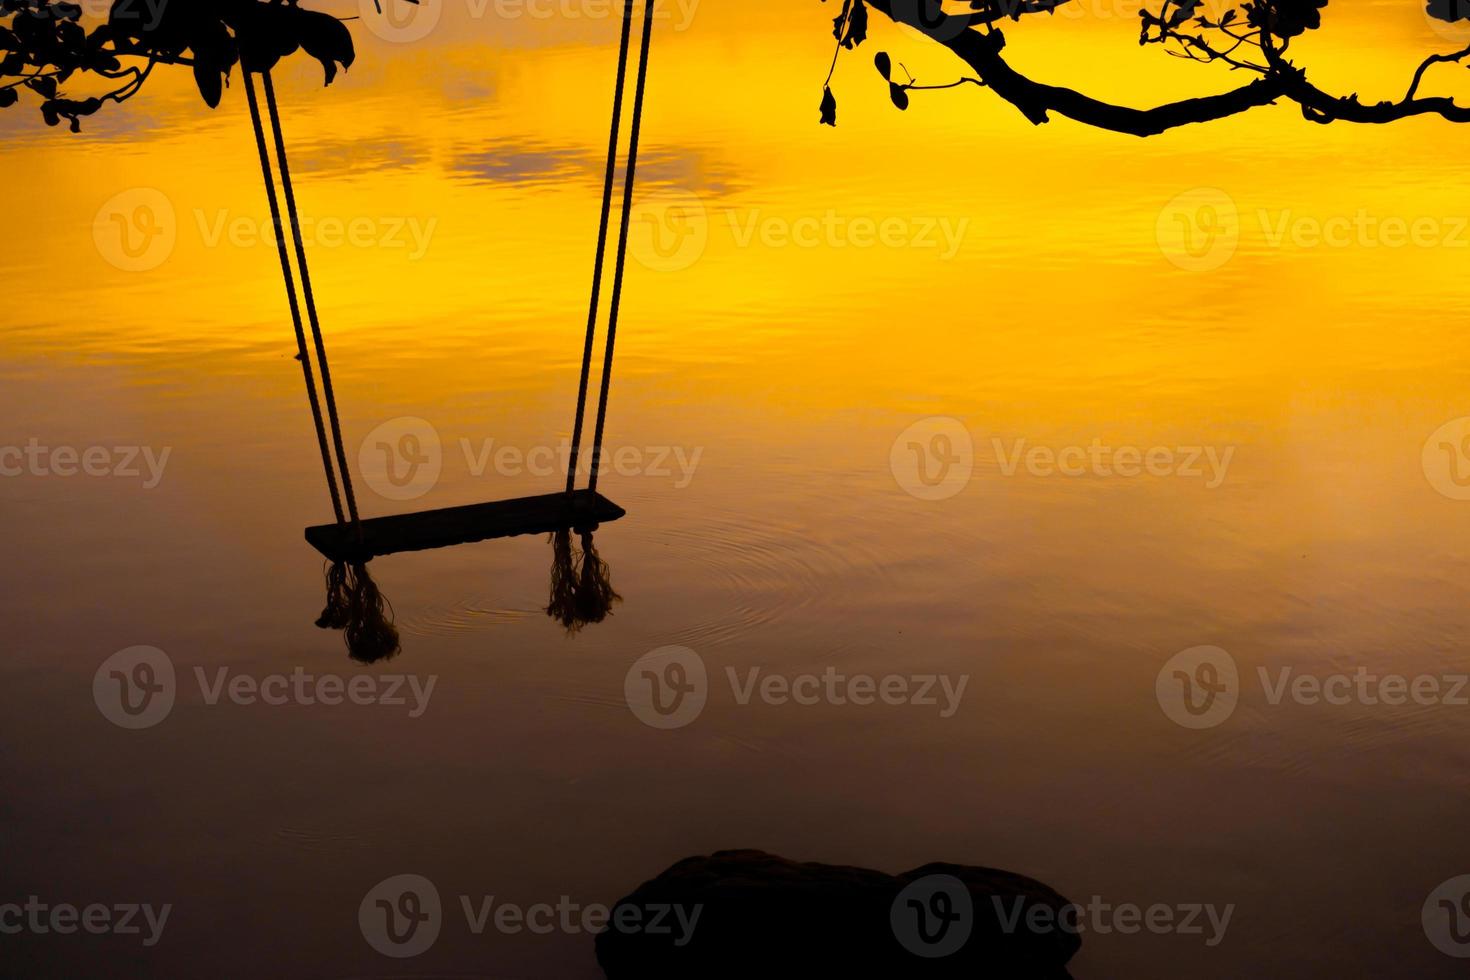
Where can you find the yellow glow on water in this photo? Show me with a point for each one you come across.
(731, 122)
(951, 258)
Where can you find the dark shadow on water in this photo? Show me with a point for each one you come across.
(356, 607)
(581, 592)
(734, 915)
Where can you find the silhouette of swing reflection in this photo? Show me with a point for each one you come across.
(580, 594)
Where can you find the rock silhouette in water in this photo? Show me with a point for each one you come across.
(756, 915)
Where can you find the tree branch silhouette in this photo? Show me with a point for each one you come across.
(1253, 37)
(44, 45)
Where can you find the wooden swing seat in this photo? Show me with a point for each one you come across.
(542, 514)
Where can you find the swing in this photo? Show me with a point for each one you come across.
(352, 539)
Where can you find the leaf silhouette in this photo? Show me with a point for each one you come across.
(899, 94)
(1183, 11)
(841, 19)
(829, 108)
(210, 82)
(857, 25)
(1287, 18)
(327, 40)
(46, 43)
(214, 54)
(883, 64)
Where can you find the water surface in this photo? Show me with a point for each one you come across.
(787, 370)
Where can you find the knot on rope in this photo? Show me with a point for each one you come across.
(581, 583)
(357, 608)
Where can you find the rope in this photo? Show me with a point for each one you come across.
(316, 327)
(310, 299)
(617, 294)
(270, 190)
(607, 190)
